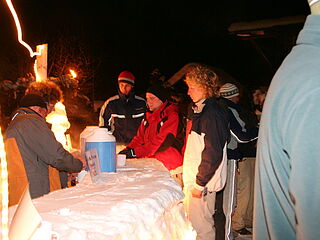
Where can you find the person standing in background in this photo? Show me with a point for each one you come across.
(123, 113)
(258, 96)
(240, 133)
(287, 180)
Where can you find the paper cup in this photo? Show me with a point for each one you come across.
(81, 175)
(121, 160)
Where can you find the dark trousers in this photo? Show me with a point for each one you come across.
(219, 217)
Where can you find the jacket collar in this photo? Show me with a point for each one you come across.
(230, 103)
(161, 110)
(198, 106)
(24, 110)
(125, 97)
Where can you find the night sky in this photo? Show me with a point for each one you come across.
(140, 36)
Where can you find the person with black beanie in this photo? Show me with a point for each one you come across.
(159, 133)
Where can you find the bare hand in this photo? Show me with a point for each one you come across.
(77, 155)
(84, 162)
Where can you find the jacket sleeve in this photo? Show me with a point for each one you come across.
(241, 133)
(215, 130)
(170, 126)
(105, 116)
(138, 140)
(42, 140)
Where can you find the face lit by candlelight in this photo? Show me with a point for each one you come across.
(196, 91)
(125, 88)
(153, 101)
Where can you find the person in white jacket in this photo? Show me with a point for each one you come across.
(205, 158)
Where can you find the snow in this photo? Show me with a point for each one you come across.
(139, 201)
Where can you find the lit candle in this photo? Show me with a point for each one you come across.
(4, 190)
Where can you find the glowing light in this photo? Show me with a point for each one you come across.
(60, 124)
(35, 68)
(19, 31)
(38, 78)
(73, 73)
(4, 191)
(181, 229)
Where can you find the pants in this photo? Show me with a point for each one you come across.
(200, 212)
(243, 214)
(229, 197)
(225, 203)
(219, 217)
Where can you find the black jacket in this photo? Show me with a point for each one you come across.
(122, 115)
(241, 131)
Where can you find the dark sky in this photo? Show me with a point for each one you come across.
(142, 35)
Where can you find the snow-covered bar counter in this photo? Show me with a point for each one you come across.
(139, 201)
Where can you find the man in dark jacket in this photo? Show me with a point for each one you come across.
(123, 113)
(37, 144)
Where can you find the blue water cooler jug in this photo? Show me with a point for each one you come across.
(105, 144)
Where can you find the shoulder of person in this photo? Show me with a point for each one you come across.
(216, 108)
(111, 100)
(171, 108)
(136, 97)
(26, 113)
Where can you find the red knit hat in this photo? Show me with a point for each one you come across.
(127, 77)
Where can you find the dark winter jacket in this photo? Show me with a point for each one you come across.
(39, 149)
(205, 154)
(122, 115)
(240, 131)
(158, 136)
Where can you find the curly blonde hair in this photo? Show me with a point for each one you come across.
(50, 91)
(205, 77)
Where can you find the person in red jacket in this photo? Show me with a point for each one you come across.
(158, 134)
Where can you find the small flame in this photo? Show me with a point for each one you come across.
(4, 191)
(60, 124)
(73, 73)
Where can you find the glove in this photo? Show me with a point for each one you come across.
(129, 152)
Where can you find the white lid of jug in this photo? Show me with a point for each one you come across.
(101, 135)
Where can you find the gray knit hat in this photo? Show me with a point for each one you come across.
(229, 90)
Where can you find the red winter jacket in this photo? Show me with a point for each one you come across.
(156, 136)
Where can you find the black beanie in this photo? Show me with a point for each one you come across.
(30, 100)
(159, 91)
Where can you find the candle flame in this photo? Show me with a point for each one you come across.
(4, 191)
(73, 73)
